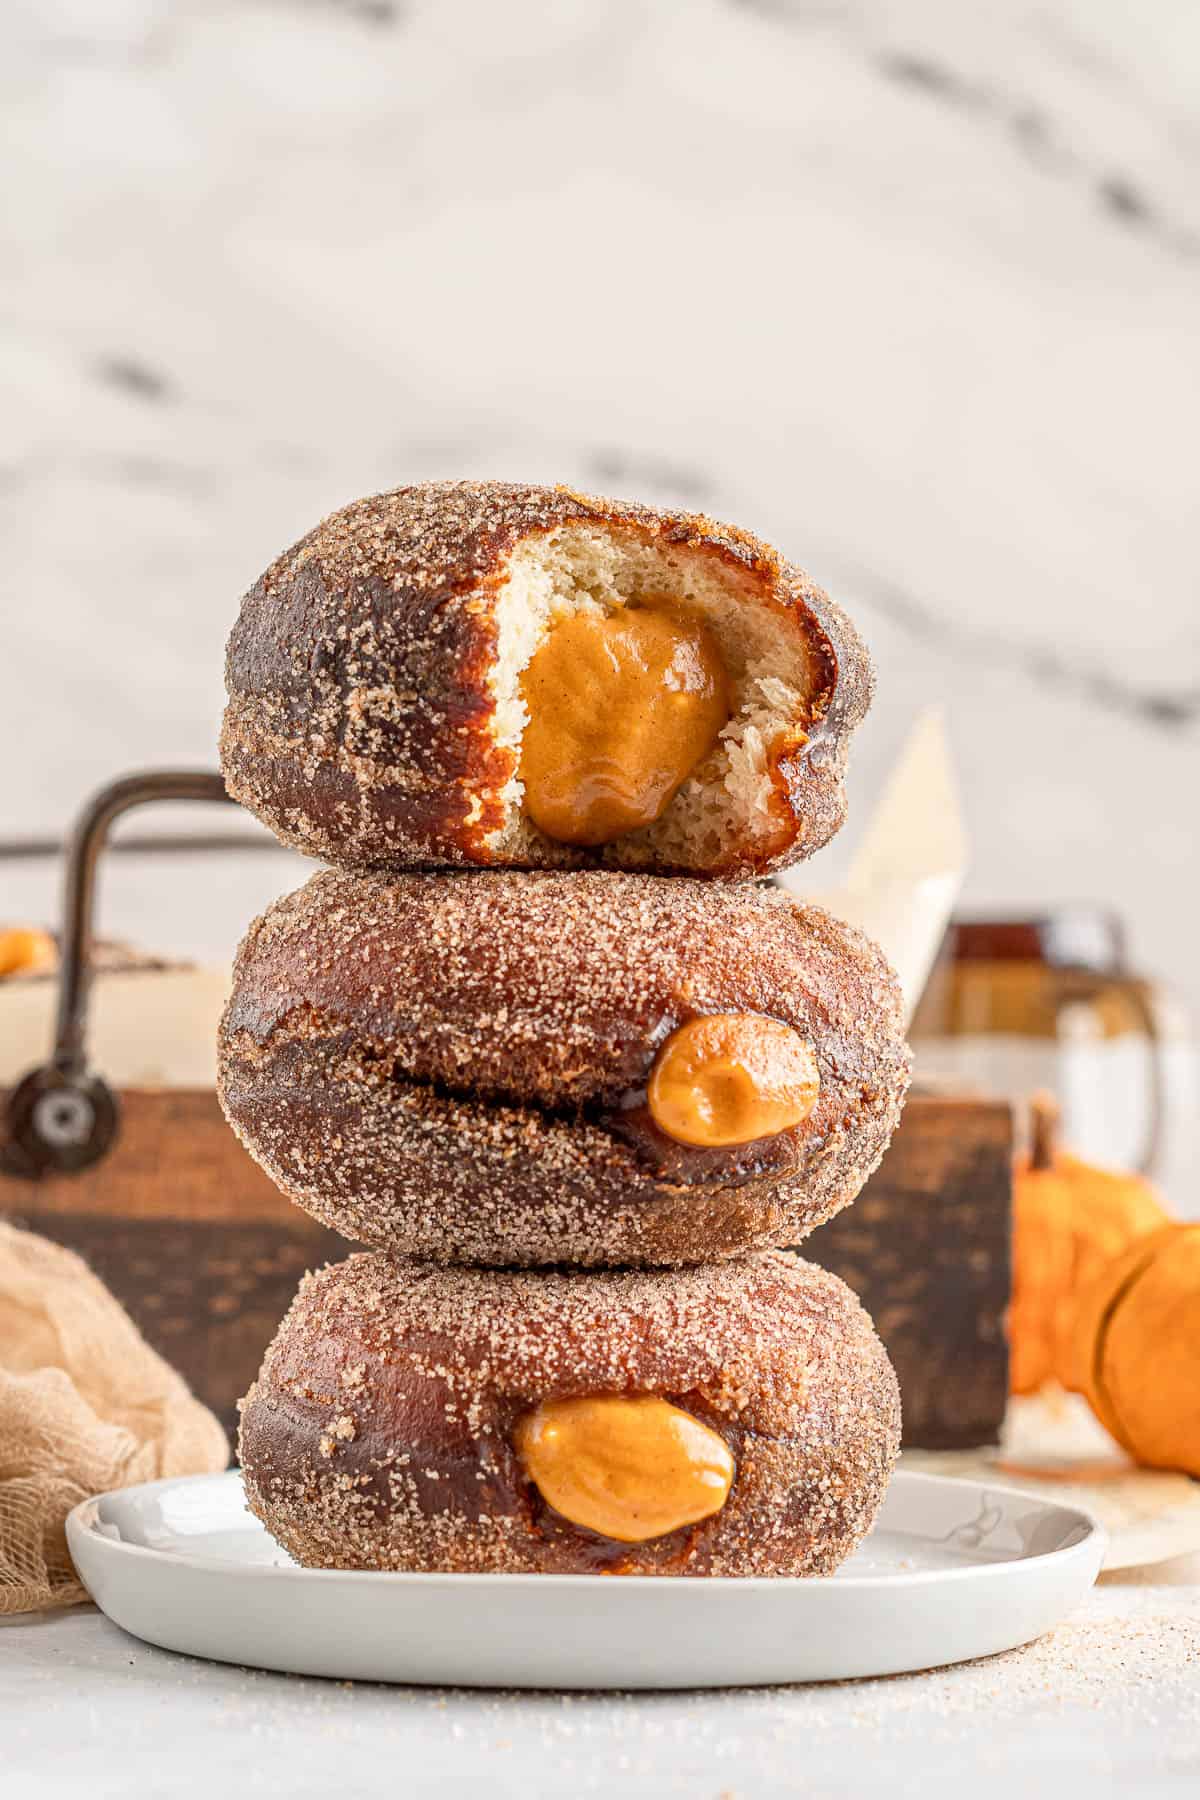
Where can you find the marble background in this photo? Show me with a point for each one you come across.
(911, 290)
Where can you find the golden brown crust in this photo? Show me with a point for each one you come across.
(359, 699)
(453, 1066)
(378, 1433)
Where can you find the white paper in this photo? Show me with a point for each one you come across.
(908, 870)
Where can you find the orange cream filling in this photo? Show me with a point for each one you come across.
(630, 1467)
(730, 1078)
(622, 707)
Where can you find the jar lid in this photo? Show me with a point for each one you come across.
(1078, 937)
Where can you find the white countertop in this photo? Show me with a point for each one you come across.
(1109, 1703)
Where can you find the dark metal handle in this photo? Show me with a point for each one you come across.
(60, 1118)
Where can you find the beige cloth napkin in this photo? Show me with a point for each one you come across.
(85, 1405)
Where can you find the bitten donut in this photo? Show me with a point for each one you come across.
(481, 673)
(735, 1419)
(583, 1068)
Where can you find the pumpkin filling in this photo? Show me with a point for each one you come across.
(664, 711)
(730, 1078)
(622, 707)
(626, 1466)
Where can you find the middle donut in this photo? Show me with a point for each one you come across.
(537, 1068)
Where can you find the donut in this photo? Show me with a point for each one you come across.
(480, 673)
(582, 1068)
(739, 1418)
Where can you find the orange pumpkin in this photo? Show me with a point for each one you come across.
(1069, 1220)
(24, 950)
(1136, 1334)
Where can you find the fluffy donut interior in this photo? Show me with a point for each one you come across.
(592, 568)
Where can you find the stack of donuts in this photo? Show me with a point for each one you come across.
(546, 1041)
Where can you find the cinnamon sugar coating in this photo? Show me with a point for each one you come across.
(454, 1066)
(379, 1432)
(361, 720)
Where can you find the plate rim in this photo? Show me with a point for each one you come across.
(83, 1519)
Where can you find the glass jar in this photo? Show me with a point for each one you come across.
(1014, 1005)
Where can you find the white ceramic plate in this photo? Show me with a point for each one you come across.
(953, 1569)
(1054, 1446)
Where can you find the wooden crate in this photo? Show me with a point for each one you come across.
(927, 1248)
(197, 1244)
(205, 1253)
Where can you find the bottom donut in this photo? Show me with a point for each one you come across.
(739, 1418)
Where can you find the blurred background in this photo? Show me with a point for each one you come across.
(910, 291)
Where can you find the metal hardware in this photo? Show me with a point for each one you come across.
(61, 1118)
